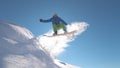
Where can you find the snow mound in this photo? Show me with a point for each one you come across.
(14, 32)
(20, 49)
(57, 44)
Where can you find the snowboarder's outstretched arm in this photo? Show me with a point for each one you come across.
(63, 21)
(49, 20)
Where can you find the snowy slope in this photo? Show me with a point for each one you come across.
(20, 49)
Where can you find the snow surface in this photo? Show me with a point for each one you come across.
(20, 49)
(56, 45)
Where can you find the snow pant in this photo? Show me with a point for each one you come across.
(59, 26)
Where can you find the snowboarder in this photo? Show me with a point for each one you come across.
(57, 23)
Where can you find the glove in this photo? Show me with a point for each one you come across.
(66, 24)
(41, 20)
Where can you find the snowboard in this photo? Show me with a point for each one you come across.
(63, 34)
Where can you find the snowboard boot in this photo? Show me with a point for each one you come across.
(55, 33)
(65, 31)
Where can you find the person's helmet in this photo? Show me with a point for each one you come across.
(55, 14)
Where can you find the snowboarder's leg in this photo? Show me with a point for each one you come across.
(55, 28)
(64, 27)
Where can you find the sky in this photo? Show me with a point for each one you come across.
(97, 47)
